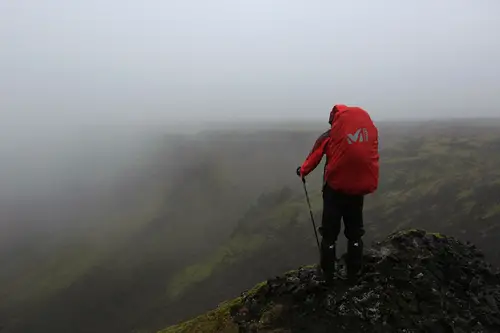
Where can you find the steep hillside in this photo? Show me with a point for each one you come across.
(412, 281)
(197, 220)
(117, 246)
(447, 180)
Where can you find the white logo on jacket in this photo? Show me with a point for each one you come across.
(361, 135)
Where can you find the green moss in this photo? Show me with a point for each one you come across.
(435, 147)
(236, 249)
(242, 245)
(283, 214)
(77, 256)
(468, 206)
(492, 211)
(256, 288)
(399, 233)
(465, 194)
(429, 188)
(215, 321)
(292, 271)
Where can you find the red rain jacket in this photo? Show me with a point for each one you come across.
(351, 149)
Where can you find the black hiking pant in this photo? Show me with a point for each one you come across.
(338, 206)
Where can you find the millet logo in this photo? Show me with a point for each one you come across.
(361, 135)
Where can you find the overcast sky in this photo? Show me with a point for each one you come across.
(66, 62)
(74, 72)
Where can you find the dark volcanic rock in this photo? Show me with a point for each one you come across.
(411, 282)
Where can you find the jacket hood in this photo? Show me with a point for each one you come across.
(336, 108)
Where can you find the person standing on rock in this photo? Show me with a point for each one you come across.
(351, 172)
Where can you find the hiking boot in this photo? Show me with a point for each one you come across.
(353, 275)
(327, 261)
(354, 260)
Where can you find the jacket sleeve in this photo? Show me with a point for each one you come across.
(316, 154)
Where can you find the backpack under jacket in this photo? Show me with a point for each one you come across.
(351, 149)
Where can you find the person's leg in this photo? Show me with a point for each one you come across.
(330, 229)
(354, 231)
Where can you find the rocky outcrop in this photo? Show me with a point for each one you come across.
(413, 281)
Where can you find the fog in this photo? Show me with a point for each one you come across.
(94, 95)
(86, 85)
(119, 62)
(88, 89)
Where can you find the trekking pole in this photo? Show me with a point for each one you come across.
(311, 213)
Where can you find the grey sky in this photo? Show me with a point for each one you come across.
(76, 76)
(118, 62)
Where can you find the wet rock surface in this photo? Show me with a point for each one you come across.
(411, 282)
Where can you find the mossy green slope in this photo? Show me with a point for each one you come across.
(451, 183)
(218, 320)
(406, 275)
(261, 228)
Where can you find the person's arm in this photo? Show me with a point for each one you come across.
(315, 155)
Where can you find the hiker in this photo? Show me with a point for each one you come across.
(351, 172)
